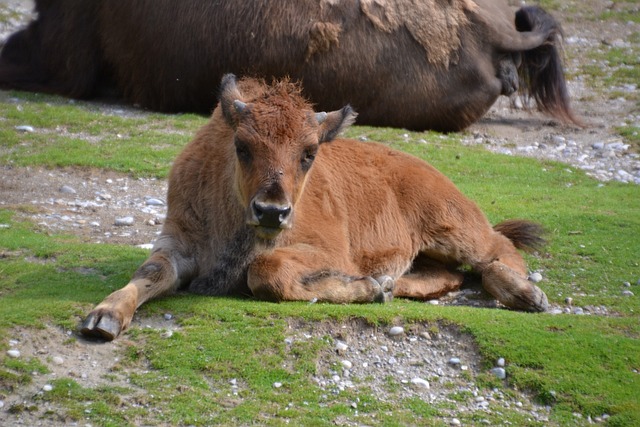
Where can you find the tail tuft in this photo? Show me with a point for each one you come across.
(541, 72)
(525, 235)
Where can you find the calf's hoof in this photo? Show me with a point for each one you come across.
(512, 290)
(386, 285)
(101, 324)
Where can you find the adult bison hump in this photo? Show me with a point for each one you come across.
(405, 63)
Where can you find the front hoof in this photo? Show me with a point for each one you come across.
(387, 285)
(101, 325)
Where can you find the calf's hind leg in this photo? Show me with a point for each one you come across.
(504, 276)
(427, 279)
(303, 274)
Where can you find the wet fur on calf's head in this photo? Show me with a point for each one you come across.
(276, 135)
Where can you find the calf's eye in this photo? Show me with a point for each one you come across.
(308, 156)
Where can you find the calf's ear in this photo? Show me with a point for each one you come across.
(231, 101)
(333, 123)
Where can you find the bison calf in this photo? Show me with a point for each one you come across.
(267, 201)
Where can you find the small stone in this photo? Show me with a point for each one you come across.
(24, 128)
(500, 362)
(67, 190)
(425, 335)
(1, 404)
(47, 387)
(168, 316)
(57, 360)
(354, 405)
(277, 385)
(598, 146)
(148, 246)
(626, 284)
(434, 302)
(13, 353)
(395, 331)
(568, 300)
(499, 373)
(124, 221)
(627, 293)
(420, 383)
(578, 310)
(455, 422)
(154, 202)
(341, 347)
(167, 334)
(454, 361)
(535, 277)
(347, 364)
(234, 381)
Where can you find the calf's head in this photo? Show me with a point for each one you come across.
(276, 135)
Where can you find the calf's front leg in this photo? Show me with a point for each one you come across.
(303, 274)
(157, 276)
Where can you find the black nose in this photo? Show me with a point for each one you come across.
(271, 215)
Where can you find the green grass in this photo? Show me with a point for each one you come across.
(582, 364)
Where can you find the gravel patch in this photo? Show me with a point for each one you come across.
(435, 363)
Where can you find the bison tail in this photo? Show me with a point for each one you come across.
(524, 235)
(541, 72)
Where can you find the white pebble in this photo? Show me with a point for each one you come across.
(47, 387)
(154, 202)
(13, 353)
(454, 361)
(455, 422)
(500, 362)
(340, 346)
(58, 360)
(347, 364)
(395, 331)
(277, 385)
(67, 190)
(25, 128)
(419, 382)
(627, 293)
(535, 277)
(499, 372)
(124, 221)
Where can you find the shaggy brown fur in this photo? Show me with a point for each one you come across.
(263, 203)
(428, 64)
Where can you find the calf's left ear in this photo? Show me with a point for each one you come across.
(333, 123)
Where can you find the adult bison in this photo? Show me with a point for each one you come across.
(263, 203)
(418, 64)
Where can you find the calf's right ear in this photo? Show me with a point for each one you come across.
(231, 101)
(333, 123)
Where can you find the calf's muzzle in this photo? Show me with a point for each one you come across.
(271, 216)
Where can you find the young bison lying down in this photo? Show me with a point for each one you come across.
(266, 201)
